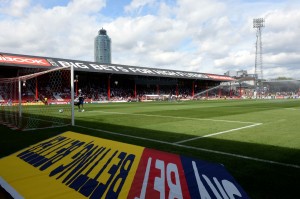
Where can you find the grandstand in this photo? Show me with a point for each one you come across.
(281, 89)
(109, 83)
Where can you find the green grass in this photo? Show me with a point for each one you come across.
(276, 136)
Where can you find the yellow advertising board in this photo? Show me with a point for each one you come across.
(72, 165)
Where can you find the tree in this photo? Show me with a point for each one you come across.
(284, 78)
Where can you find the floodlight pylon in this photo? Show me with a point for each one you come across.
(258, 24)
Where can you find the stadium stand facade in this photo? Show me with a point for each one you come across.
(111, 82)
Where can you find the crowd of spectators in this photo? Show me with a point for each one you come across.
(95, 93)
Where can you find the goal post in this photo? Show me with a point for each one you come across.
(38, 100)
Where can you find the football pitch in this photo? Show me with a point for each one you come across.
(258, 141)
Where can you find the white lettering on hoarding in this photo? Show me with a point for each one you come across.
(228, 187)
(221, 189)
(99, 67)
(165, 174)
(165, 72)
(180, 74)
(231, 189)
(159, 181)
(87, 65)
(109, 68)
(145, 181)
(75, 65)
(144, 71)
(175, 188)
(141, 70)
(123, 69)
(212, 187)
(24, 60)
(202, 190)
(81, 65)
(114, 68)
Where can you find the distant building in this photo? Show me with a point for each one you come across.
(231, 73)
(102, 48)
(240, 73)
(243, 76)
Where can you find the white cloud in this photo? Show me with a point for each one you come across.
(195, 35)
(59, 31)
(164, 10)
(86, 6)
(151, 31)
(282, 30)
(238, 60)
(283, 58)
(281, 71)
(14, 8)
(199, 12)
(137, 5)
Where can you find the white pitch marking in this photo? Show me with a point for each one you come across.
(10, 189)
(213, 134)
(175, 117)
(198, 149)
(294, 109)
(48, 127)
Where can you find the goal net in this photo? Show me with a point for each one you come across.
(37, 100)
(205, 93)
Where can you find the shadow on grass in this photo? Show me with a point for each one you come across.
(259, 179)
(226, 109)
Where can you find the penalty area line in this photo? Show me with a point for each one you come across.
(218, 133)
(196, 148)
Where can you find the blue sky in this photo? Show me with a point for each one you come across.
(193, 35)
(114, 8)
(51, 3)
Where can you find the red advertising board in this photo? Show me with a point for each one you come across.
(10, 59)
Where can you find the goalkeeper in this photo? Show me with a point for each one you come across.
(79, 101)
